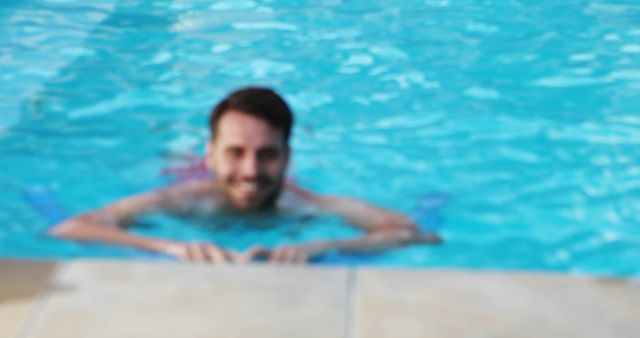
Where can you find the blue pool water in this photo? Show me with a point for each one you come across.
(526, 113)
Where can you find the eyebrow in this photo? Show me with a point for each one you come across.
(267, 147)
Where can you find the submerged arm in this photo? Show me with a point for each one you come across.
(383, 228)
(109, 225)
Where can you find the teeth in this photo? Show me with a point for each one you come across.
(248, 186)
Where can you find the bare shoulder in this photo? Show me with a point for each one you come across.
(166, 198)
(188, 196)
(359, 213)
(297, 199)
(189, 189)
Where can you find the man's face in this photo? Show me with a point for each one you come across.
(249, 159)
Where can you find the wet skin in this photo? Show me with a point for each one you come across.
(249, 158)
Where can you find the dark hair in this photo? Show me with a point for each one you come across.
(260, 102)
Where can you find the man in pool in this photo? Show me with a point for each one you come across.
(248, 155)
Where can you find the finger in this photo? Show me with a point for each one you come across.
(213, 253)
(301, 257)
(235, 257)
(257, 251)
(177, 250)
(291, 255)
(277, 255)
(273, 257)
(248, 255)
(429, 238)
(288, 255)
(195, 254)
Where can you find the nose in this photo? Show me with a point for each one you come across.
(251, 166)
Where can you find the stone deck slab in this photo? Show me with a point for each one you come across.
(21, 286)
(134, 299)
(115, 299)
(395, 303)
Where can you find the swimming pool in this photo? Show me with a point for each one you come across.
(525, 113)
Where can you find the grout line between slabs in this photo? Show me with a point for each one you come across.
(349, 322)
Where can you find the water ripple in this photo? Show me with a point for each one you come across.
(596, 133)
(562, 81)
(232, 5)
(266, 25)
(482, 93)
(528, 119)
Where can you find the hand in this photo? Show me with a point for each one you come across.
(197, 252)
(295, 254)
(248, 256)
(284, 254)
(429, 238)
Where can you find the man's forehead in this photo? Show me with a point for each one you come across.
(239, 127)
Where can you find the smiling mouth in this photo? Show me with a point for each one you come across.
(254, 193)
(251, 187)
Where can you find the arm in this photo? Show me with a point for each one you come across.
(108, 225)
(384, 228)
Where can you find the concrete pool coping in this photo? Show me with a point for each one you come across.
(133, 299)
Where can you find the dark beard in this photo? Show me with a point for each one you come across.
(268, 205)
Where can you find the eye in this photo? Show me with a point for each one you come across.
(234, 152)
(268, 154)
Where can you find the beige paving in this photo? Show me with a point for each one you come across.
(21, 284)
(104, 299)
(133, 299)
(394, 303)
